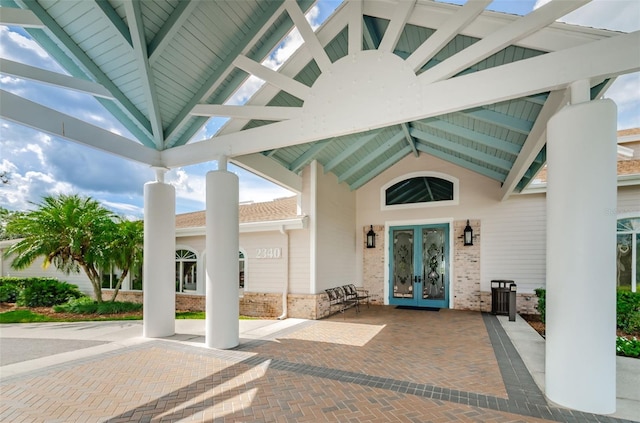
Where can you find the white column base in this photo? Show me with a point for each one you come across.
(581, 262)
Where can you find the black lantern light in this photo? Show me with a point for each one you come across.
(468, 234)
(371, 238)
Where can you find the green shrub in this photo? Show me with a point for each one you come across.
(628, 347)
(542, 303)
(628, 311)
(9, 293)
(46, 292)
(86, 305)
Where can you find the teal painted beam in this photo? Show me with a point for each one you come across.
(380, 168)
(115, 20)
(116, 109)
(412, 143)
(473, 136)
(171, 139)
(170, 28)
(350, 150)
(308, 155)
(461, 162)
(461, 149)
(500, 119)
(94, 70)
(372, 156)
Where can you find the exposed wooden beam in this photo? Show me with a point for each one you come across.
(381, 167)
(355, 26)
(445, 33)
(115, 20)
(24, 18)
(349, 150)
(499, 119)
(311, 41)
(42, 118)
(461, 162)
(473, 136)
(308, 156)
(399, 19)
(217, 77)
(535, 141)
(170, 28)
(601, 59)
(502, 38)
(270, 76)
(93, 70)
(248, 112)
(471, 153)
(134, 18)
(20, 70)
(270, 170)
(409, 138)
(395, 139)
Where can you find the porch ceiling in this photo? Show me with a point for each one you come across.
(164, 68)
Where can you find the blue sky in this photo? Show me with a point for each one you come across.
(40, 164)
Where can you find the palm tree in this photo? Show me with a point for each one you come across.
(71, 232)
(126, 249)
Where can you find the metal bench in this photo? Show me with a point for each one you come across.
(346, 296)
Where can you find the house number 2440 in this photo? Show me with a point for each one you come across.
(268, 253)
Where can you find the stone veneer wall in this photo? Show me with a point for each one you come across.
(466, 268)
(253, 304)
(301, 306)
(373, 265)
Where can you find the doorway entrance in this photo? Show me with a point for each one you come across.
(419, 265)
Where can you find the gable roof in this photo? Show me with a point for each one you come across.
(278, 209)
(479, 86)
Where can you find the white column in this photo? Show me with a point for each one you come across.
(222, 246)
(158, 273)
(580, 364)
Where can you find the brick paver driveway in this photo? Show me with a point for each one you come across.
(379, 365)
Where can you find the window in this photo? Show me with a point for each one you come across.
(420, 189)
(241, 267)
(110, 278)
(627, 256)
(186, 271)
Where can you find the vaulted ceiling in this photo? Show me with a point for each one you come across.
(378, 81)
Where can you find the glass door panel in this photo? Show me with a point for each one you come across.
(402, 266)
(418, 270)
(434, 246)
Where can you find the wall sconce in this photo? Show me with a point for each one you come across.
(371, 238)
(468, 234)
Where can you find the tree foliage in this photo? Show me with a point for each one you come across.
(73, 233)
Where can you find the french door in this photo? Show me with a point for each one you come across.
(419, 265)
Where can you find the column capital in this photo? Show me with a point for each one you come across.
(580, 91)
(160, 172)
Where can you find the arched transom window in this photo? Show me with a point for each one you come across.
(186, 271)
(419, 190)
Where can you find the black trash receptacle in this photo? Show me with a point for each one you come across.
(500, 291)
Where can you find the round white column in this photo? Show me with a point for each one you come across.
(580, 364)
(222, 246)
(158, 283)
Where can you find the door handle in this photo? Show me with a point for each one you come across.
(417, 279)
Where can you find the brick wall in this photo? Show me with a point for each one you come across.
(253, 304)
(373, 265)
(466, 268)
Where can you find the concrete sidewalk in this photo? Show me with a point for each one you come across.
(531, 347)
(381, 364)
